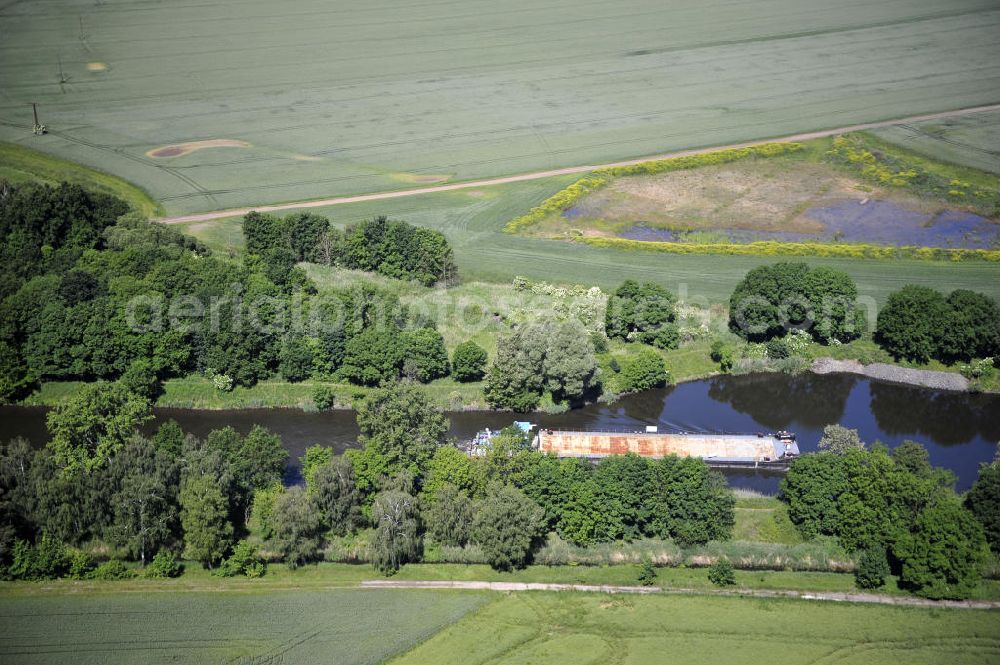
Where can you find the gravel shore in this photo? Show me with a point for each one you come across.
(924, 378)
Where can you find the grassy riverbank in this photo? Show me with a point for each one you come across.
(340, 575)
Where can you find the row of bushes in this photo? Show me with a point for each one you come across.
(563, 199)
(51, 559)
(820, 249)
(821, 554)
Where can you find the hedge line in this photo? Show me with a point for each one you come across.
(563, 199)
(821, 249)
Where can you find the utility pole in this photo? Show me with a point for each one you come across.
(39, 127)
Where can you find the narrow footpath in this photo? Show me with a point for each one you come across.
(833, 596)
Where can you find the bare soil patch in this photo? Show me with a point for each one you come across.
(180, 149)
(776, 199)
(752, 196)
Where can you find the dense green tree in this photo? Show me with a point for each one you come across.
(546, 479)
(589, 516)
(78, 286)
(914, 458)
(451, 466)
(315, 457)
(204, 519)
(373, 357)
(912, 322)
(306, 231)
(424, 355)
(396, 540)
(973, 328)
(507, 526)
(243, 560)
(627, 483)
(94, 423)
(691, 503)
(772, 299)
(570, 366)
(643, 313)
(549, 355)
(838, 439)
(942, 556)
(336, 495)
(812, 488)
(261, 521)
(260, 459)
(16, 377)
(169, 438)
(873, 569)
(298, 527)
(399, 250)
(468, 363)
(144, 516)
(515, 379)
(448, 515)
(643, 371)
(401, 425)
(262, 232)
(647, 573)
(296, 360)
(983, 500)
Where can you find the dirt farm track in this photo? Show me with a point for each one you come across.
(538, 175)
(310, 99)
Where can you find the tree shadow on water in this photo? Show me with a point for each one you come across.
(946, 418)
(779, 400)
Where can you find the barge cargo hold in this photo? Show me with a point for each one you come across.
(723, 450)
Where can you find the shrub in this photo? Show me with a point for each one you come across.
(48, 560)
(164, 565)
(324, 398)
(222, 382)
(112, 570)
(777, 349)
(647, 573)
(645, 313)
(873, 569)
(643, 371)
(469, 362)
(242, 561)
(721, 573)
(722, 354)
(80, 567)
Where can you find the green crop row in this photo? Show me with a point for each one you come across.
(563, 199)
(819, 249)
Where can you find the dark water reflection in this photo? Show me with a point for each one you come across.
(960, 430)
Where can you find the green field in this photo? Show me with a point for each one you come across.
(473, 221)
(334, 98)
(645, 630)
(346, 627)
(21, 164)
(972, 140)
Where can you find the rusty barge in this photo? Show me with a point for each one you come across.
(760, 450)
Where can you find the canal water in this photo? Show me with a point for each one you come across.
(960, 430)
